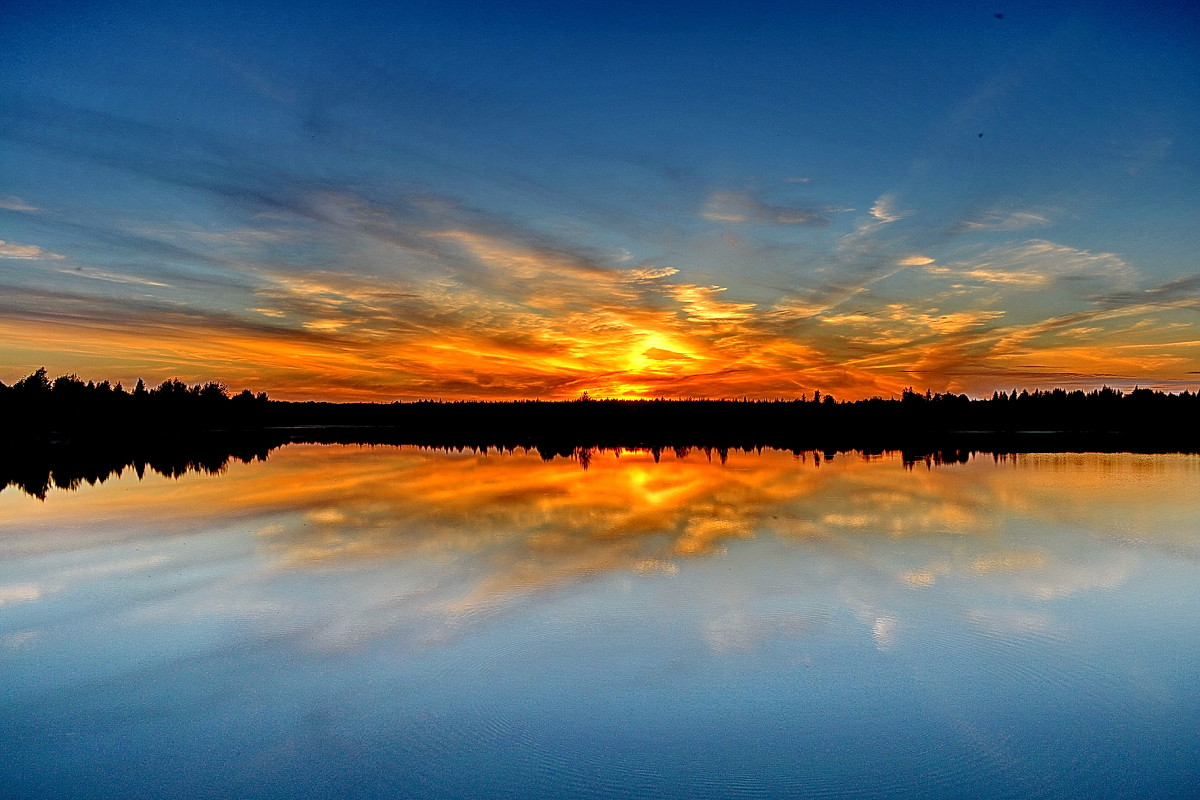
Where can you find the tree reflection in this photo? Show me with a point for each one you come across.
(462, 532)
(38, 468)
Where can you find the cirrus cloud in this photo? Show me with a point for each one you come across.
(28, 252)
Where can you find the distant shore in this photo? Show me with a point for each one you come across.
(66, 407)
(62, 431)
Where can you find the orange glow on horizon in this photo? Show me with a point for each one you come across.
(523, 323)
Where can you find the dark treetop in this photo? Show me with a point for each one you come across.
(61, 432)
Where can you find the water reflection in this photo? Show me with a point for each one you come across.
(514, 524)
(788, 621)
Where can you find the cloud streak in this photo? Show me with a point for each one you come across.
(470, 308)
(742, 207)
(327, 289)
(422, 206)
(1000, 219)
(10, 202)
(26, 252)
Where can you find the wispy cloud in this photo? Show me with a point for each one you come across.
(1182, 292)
(26, 252)
(1000, 219)
(10, 202)
(742, 207)
(112, 277)
(1036, 263)
(885, 210)
(353, 293)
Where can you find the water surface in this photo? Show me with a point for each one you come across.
(366, 622)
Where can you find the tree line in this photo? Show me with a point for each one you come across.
(68, 407)
(65, 432)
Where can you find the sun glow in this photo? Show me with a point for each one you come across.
(488, 317)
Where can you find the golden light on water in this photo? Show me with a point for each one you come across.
(511, 524)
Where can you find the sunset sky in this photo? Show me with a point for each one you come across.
(354, 201)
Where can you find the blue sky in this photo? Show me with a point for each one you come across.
(353, 200)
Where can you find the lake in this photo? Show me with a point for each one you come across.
(343, 621)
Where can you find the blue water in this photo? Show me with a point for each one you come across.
(340, 622)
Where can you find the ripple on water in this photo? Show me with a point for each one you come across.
(955, 747)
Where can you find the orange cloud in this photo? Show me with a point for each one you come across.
(461, 311)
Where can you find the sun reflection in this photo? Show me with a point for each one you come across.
(504, 527)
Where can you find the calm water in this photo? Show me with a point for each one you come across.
(381, 622)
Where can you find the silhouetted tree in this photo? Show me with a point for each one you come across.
(36, 383)
(212, 392)
(68, 386)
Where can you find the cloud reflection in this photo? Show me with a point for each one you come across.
(463, 536)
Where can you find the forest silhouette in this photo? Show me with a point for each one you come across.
(64, 432)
